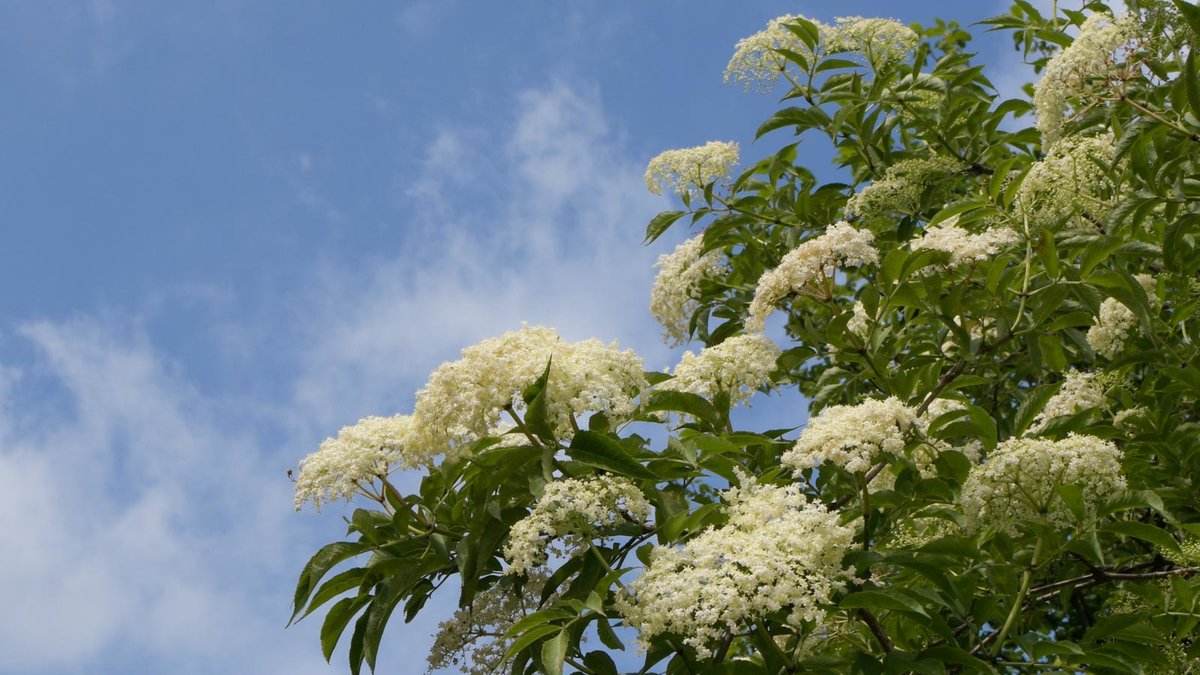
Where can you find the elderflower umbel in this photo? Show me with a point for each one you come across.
(756, 61)
(467, 399)
(1018, 482)
(853, 437)
(473, 639)
(881, 41)
(778, 551)
(815, 260)
(1116, 322)
(569, 514)
(361, 453)
(686, 171)
(680, 273)
(737, 366)
(1068, 72)
(1080, 391)
(963, 246)
(901, 186)
(1070, 179)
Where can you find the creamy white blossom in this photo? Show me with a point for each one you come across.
(737, 366)
(1116, 322)
(360, 454)
(842, 245)
(880, 41)
(472, 640)
(778, 551)
(756, 61)
(680, 273)
(860, 322)
(1070, 179)
(569, 514)
(1069, 72)
(1080, 391)
(686, 171)
(1018, 482)
(900, 188)
(853, 437)
(963, 246)
(468, 399)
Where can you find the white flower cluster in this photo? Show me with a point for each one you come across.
(465, 400)
(473, 639)
(680, 273)
(569, 514)
(756, 61)
(815, 260)
(738, 366)
(901, 186)
(1069, 72)
(881, 41)
(1069, 179)
(1018, 482)
(1116, 322)
(860, 322)
(853, 437)
(1080, 391)
(686, 171)
(963, 246)
(778, 551)
(361, 453)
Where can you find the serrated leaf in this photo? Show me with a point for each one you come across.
(336, 619)
(317, 566)
(661, 223)
(604, 452)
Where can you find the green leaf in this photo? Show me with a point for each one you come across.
(600, 663)
(682, 402)
(529, 637)
(661, 223)
(881, 600)
(335, 586)
(554, 652)
(536, 415)
(605, 452)
(1191, 14)
(317, 566)
(1148, 533)
(335, 621)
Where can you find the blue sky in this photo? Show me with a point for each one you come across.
(232, 227)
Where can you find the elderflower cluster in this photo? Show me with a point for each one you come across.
(737, 366)
(860, 322)
(569, 514)
(778, 551)
(1068, 72)
(963, 246)
(473, 640)
(361, 453)
(841, 246)
(1080, 391)
(1019, 481)
(466, 399)
(853, 437)
(680, 273)
(757, 62)
(686, 171)
(901, 186)
(1070, 179)
(1115, 323)
(881, 41)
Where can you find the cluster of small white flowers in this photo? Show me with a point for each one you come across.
(473, 639)
(1069, 179)
(1116, 322)
(901, 186)
(737, 366)
(841, 246)
(1018, 482)
(963, 246)
(778, 551)
(1068, 72)
(680, 273)
(1125, 417)
(1080, 391)
(686, 171)
(465, 400)
(881, 41)
(569, 514)
(859, 323)
(853, 437)
(361, 453)
(756, 61)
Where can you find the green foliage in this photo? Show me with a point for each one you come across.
(1114, 592)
